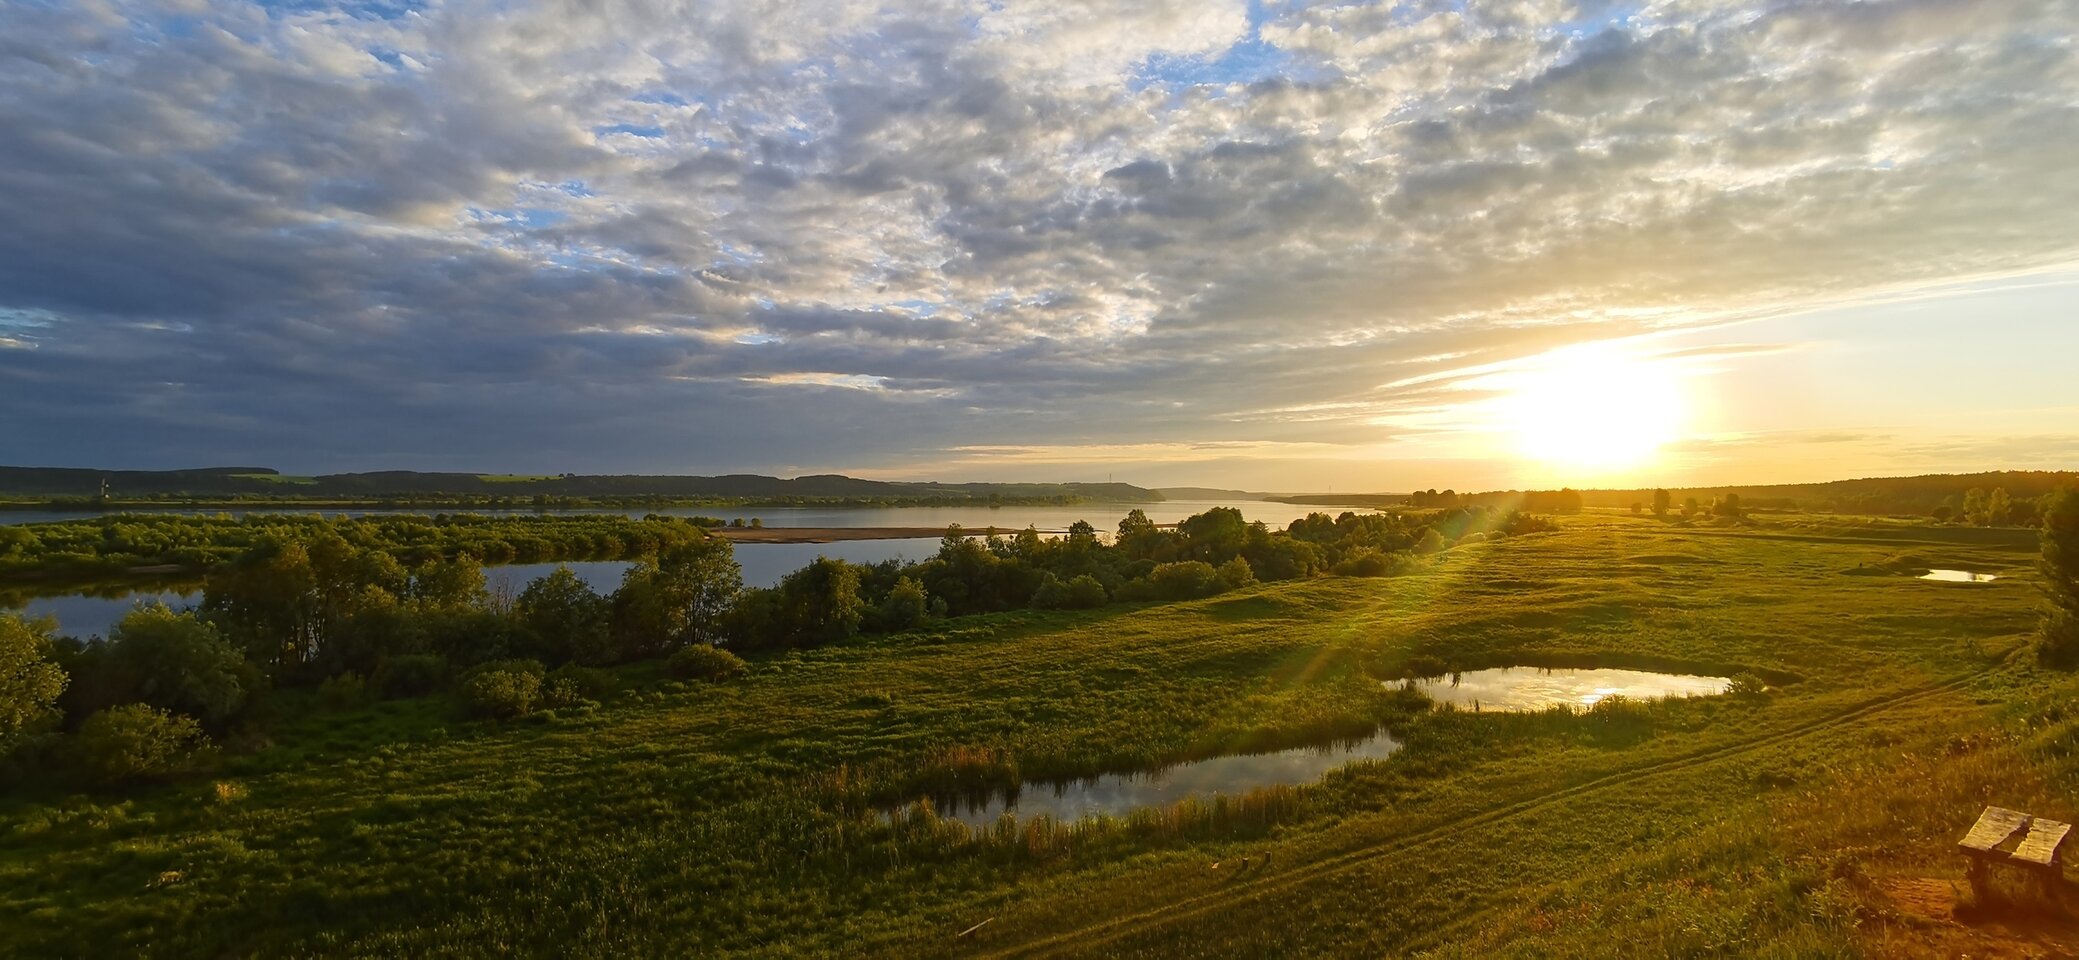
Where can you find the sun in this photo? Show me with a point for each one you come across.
(1594, 409)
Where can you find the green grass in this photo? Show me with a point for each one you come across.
(695, 819)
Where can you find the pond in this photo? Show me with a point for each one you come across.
(1539, 688)
(1117, 794)
(93, 613)
(1958, 576)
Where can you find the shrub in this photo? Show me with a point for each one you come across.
(702, 662)
(1185, 580)
(134, 741)
(571, 685)
(1746, 685)
(1363, 562)
(503, 688)
(1235, 574)
(409, 675)
(342, 692)
(1082, 593)
(907, 606)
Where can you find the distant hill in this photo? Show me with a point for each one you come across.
(1208, 493)
(245, 482)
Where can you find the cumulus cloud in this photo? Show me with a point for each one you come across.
(666, 235)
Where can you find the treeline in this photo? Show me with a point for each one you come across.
(112, 546)
(379, 617)
(539, 501)
(1917, 496)
(405, 485)
(1563, 500)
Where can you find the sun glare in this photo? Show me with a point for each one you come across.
(1594, 409)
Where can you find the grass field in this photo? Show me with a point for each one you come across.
(1815, 819)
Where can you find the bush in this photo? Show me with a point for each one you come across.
(571, 685)
(503, 688)
(134, 741)
(1746, 685)
(343, 692)
(1083, 593)
(702, 662)
(1235, 574)
(409, 675)
(1185, 580)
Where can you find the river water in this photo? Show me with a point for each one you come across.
(1105, 516)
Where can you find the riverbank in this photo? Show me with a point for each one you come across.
(835, 534)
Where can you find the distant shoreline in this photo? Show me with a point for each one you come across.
(834, 534)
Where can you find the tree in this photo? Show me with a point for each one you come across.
(1637, 508)
(1974, 507)
(820, 603)
(1943, 513)
(2058, 642)
(178, 662)
(1689, 507)
(906, 606)
(563, 619)
(1661, 501)
(29, 682)
(1215, 535)
(1999, 508)
(680, 598)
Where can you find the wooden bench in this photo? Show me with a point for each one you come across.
(2010, 836)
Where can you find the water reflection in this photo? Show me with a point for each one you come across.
(1539, 688)
(1958, 576)
(1120, 793)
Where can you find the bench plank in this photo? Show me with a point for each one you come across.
(2040, 846)
(1993, 828)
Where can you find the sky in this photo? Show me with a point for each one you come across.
(1276, 245)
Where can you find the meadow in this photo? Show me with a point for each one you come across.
(751, 816)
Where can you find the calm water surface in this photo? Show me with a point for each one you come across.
(1537, 688)
(1958, 576)
(85, 615)
(1105, 516)
(1117, 794)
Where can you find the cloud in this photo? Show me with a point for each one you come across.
(650, 234)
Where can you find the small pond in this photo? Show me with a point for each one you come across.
(1117, 794)
(1958, 576)
(1540, 688)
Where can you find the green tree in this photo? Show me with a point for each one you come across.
(2058, 642)
(1135, 524)
(29, 682)
(561, 618)
(1999, 508)
(1215, 535)
(906, 606)
(180, 663)
(820, 603)
(1974, 507)
(680, 598)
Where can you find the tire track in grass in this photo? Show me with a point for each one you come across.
(1105, 931)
